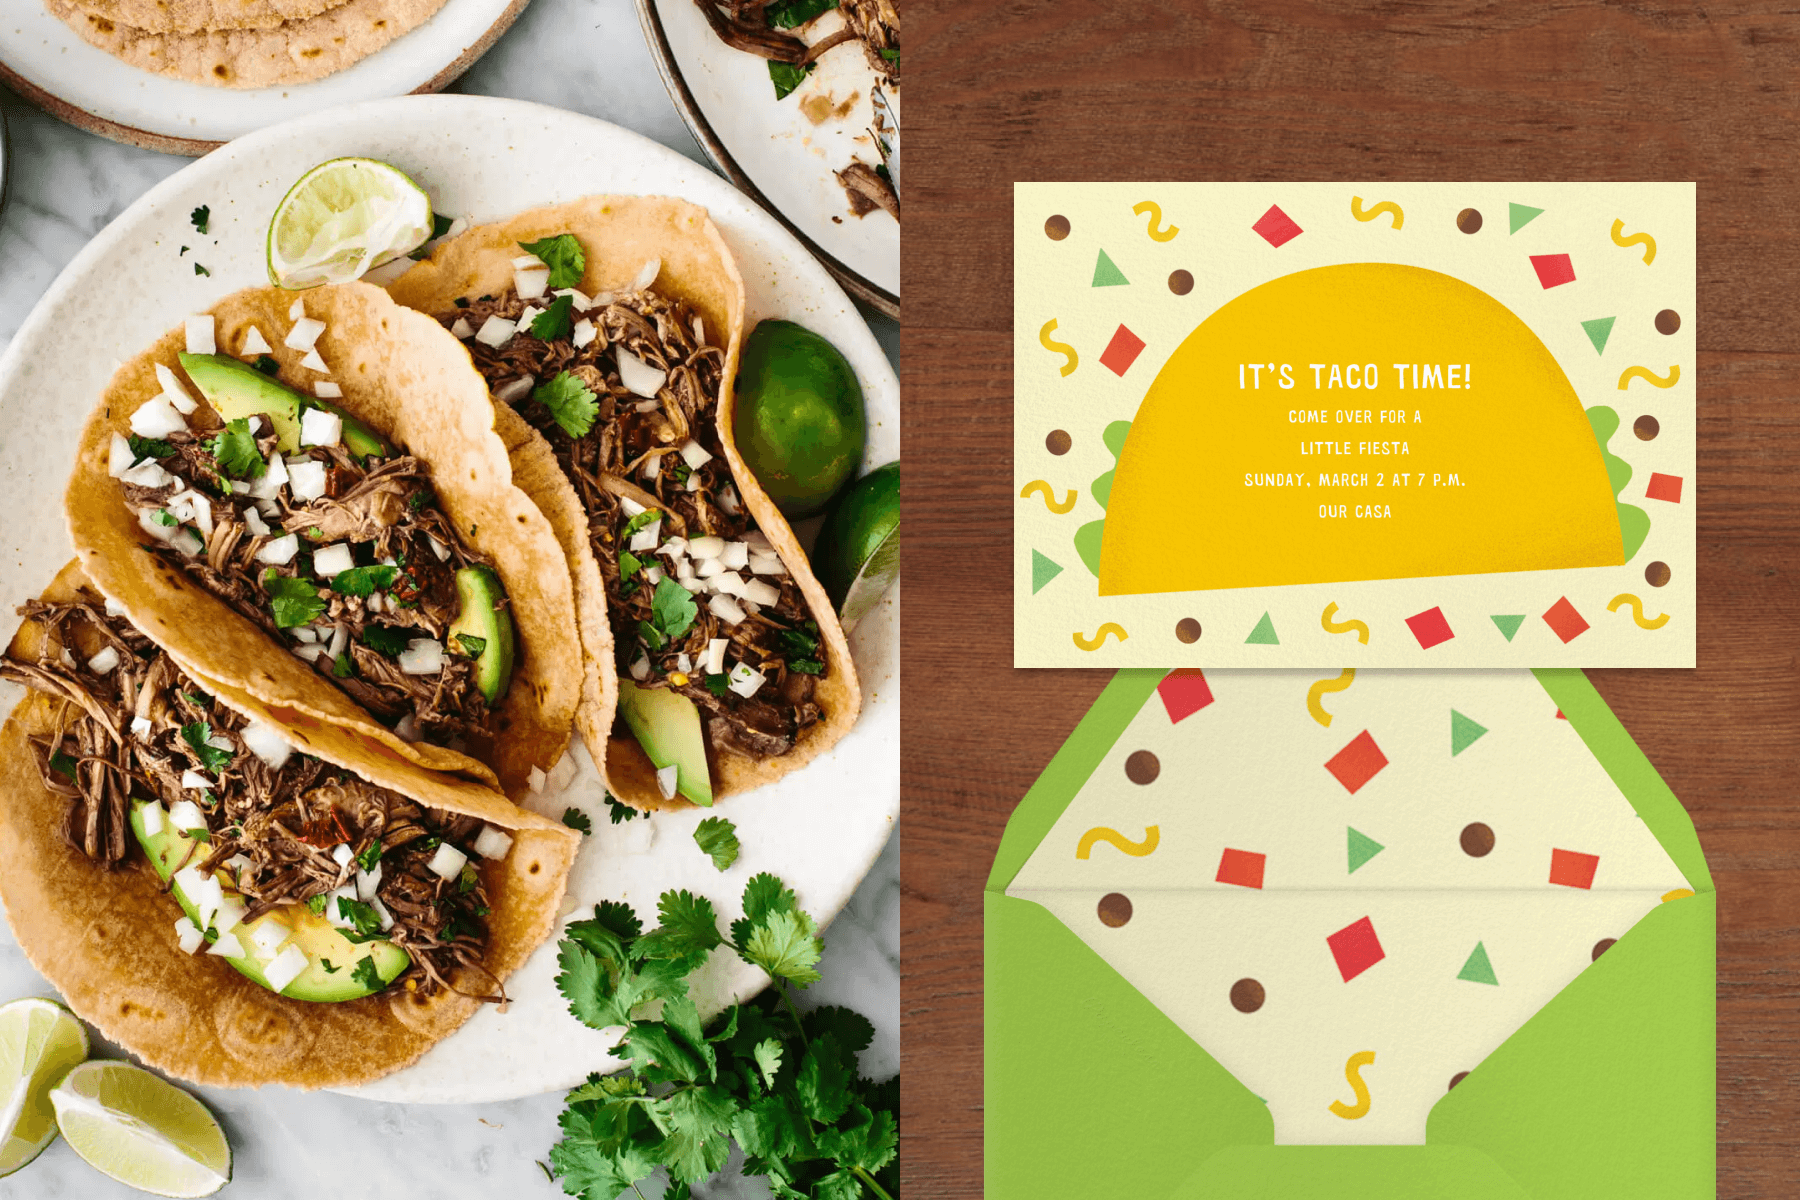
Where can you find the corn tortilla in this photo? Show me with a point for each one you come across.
(202, 16)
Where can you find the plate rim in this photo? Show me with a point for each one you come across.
(71, 113)
(859, 287)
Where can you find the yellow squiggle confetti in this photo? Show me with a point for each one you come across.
(1650, 377)
(1357, 627)
(1636, 239)
(1637, 611)
(1155, 211)
(1353, 1073)
(1112, 837)
(1099, 638)
(1041, 487)
(1055, 347)
(1386, 206)
(1318, 690)
(1677, 894)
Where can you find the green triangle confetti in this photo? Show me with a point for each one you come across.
(1463, 732)
(1106, 274)
(1043, 570)
(1521, 215)
(1478, 969)
(1509, 625)
(1362, 848)
(1598, 330)
(1263, 634)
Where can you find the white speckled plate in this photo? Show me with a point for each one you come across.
(819, 828)
(47, 62)
(769, 148)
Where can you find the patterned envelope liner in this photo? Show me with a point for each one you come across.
(1349, 908)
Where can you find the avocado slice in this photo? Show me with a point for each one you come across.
(317, 937)
(667, 725)
(237, 390)
(485, 616)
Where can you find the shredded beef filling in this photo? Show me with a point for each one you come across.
(270, 831)
(386, 512)
(633, 456)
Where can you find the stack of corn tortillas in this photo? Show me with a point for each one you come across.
(242, 43)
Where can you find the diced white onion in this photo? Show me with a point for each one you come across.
(382, 914)
(706, 568)
(340, 638)
(630, 507)
(327, 390)
(422, 656)
(367, 882)
(693, 482)
(286, 967)
(320, 428)
(333, 912)
(202, 509)
(646, 275)
(304, 335)
(640, 667)
(637, 375)
(736, 555)
(310, 653)
(653, 575)
(675, 547)
(200, 335)
(496, 332)
(531, 282)
(647, 537)
(188, 542)
(527, 315)
(536, 778)
(239, 863)
(684, 662)
(188, 935)
(154, 817)
(202, 891)
(114, 608)
(579, 299)
(341, 854)
(157, 418)
(148, 473)
(646, 406)
(448, 862)
(766, 564)
(118, 456)
(219, 741)
(462, 330)
(653, 467)
(758, 592)
(529, 262)
(279, 551)
(268, 485)
(103, 662)
(689, 582)
(194, 780)
(297, 310)
(515, 389)
(694, 454)
(255, 343)
(230, 914)
(140, 728)
(728, 582)
(438, 548)
(666, 781)
(254, 522)
(745, 679)
(715, 655)
(563, 773)
(268, 936)
(302, 633)
(185, 814)
(728, 499)
(313, 362)
(583, 334)
(267, 743)
(306, 479)
(726, 609)
(173, 392)
(706, 547)
(227, 946)
(331, 561)
(492, 843)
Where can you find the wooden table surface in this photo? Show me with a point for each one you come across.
(1084, 89)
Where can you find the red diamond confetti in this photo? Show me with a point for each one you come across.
(1184, 693)
(1571, 869)
(1430, 628)
(1564, 621)
(1358, 762)
(1276, 227)
(1122, 351)
(1241, 867)
(1664, 487)
(1356, 948)
(1553, 270)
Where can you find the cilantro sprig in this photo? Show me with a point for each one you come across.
(570, 402)
(235, 448)
(293, 601)
(784, 1086)
(563, 255)
(717, 837)
(556, 321)
(211, 757)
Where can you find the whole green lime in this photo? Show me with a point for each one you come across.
(799, 422)
(857, 556)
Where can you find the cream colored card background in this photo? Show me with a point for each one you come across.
(1052, 280)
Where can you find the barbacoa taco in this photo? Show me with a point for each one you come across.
(242, 893)
(305, 498)
(611, 327)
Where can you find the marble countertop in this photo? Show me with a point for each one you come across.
(65, 186)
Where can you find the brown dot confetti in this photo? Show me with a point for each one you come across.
(1188, 630)
(1057, 227)
(1114, 909)
(1668, 321)
(1469, 220)
(1457, 1078)
(1602, 946)
(1181, 282)
(1142, 767)
(1646, 427)
(1477, 840)
(1058, 441)
(1247, 995)
(1657, 574)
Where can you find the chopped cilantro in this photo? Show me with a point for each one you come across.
(471, 645)
(652, 636)
(142, 448)
(385, 639)
(887, 177)
(787, 77)
(370, 856)
(554, 322)
(200, 216)
(343, 667)
(629, 564)
(679, 471)
(891, 55)
(718, 685)
(235, 448)
(718, 837)
(468, 880)
(786, 14)
(63, 765)
(563, 255)
(210, 757)
(367, 975)
(420, 499)
(799, 642)
(326, 962)
(674, 608)
(294, 601)
(364, 581)
(619, 812)
(199, 698)
(317, 904)
(267, 365)
(806, 666)
(570, 403)
(364, 921)
(462, 302)
(574, 818)
(200, 270)
(165, 518)
(648, 517)
(460, 924)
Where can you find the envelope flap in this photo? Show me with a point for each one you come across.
(1350, 1173)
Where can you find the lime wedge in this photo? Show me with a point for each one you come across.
(39, 1041)
(857, 556)
(345, 218)
(143, 1132)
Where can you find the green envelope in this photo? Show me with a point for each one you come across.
(1608, 1091)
